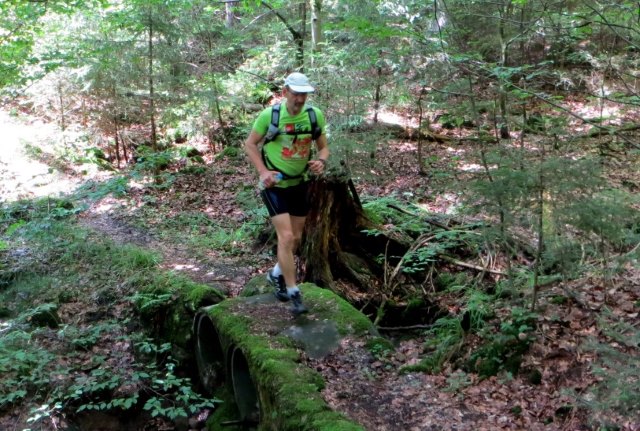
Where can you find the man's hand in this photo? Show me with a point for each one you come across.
(317, 166)
(268, 178)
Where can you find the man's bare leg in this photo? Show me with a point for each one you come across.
(289, 231)
(286, 246)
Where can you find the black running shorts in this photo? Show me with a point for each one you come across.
(293, 200)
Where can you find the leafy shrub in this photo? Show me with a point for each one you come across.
(617, 370)
(381, 211)
(444, 341)
(148, 160)
(230, 153)
(503, 350)
(24, 368)
(166, 394)
(117, 187)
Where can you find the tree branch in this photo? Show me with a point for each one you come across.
(469, 265)
(293, 31)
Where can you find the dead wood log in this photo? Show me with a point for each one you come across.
(609, 130)
(469, 265)
(402, 132)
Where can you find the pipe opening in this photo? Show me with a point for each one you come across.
(244, 390)
(209, 355)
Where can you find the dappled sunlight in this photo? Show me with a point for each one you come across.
(444, 203)
(23, 176)
(103, 207)
(405, 147)
(185, 267)
(478, 210)
(470, 167)
(463, 165)
(390, 117)
(606, 111)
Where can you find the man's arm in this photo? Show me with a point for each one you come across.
(251, 149)
(317, 165)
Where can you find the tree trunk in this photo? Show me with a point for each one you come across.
(376, 97)
(421, 169)
(152, 108)
(341, 251)
(229, 13)
(63, 120)
(504, 46)
(116, 140)
(298, 37)
(335, 245)
(125, 155)
(316, 25)
(216, 101)
(116, 129)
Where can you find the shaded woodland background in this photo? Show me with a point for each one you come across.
(494, 146)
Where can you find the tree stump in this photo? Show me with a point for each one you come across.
(336, 244)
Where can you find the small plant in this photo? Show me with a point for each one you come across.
(84, 338)
(457, 381)
(385, 211)
(150, 303)
(150, 161)
(617, 370)
(230, 153)
(380, 348)
(166, 393)
(444, 341)
(503, 350)
(23, 366)
(117, 187)
(231, 240)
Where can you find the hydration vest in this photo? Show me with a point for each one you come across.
(273, 131)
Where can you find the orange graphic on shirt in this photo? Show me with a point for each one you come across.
(299, 149)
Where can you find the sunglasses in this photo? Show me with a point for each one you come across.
(295, 93)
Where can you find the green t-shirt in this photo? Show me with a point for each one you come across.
(289, 154)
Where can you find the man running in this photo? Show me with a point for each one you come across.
(283, 164)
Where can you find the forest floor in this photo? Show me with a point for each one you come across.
(369, 389)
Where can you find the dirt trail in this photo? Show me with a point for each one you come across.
(225, 274)
(23, 176)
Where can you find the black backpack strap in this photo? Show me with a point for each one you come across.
(273, 131)
(313, 119)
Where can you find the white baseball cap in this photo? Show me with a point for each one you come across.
(299, 83)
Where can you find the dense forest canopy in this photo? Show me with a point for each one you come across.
(495, 143)
(197, 63)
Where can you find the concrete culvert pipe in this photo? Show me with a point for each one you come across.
(209, 352)
(244, 390)
(259, 343)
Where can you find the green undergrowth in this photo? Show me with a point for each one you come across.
(72, 321)
(201, 232)
(488, 336)
(383, 212)
(224, 416)
(617, 370)
(191, 225)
